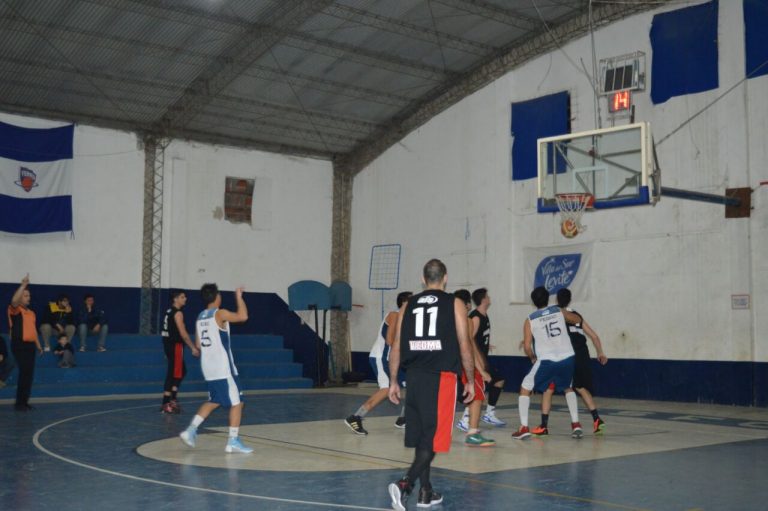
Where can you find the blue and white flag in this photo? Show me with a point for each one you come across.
(35, 179)
(564, 266)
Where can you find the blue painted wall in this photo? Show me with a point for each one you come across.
(268, 314)
(729, 383)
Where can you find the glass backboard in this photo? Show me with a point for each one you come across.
(615, 165)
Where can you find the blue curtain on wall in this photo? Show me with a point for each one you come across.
(684, 45)
(546, 116)
(756, 37)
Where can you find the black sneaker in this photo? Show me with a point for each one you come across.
(355, 423)
(428, 498)
(400, 423)
(399, 492)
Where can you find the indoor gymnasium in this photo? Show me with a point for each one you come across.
(296, 255)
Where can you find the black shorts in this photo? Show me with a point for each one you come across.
(430, 406)
(582, 371)
(174, 355)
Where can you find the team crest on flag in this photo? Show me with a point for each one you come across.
(27, 179)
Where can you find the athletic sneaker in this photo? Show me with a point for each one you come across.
(463, 424)
(189, 436)
(101, 348)
(82, 348)
(399, 493)
(540, 431)
(576, 431)
(167, 408)
(400, 423)
(521, 433)
(599, 426)
(428, 498)
(490, 418)
(235, 445)
(47, 349)
(175, 407)
(477, 440)
(355, 423)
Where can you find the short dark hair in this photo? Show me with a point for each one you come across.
(563, 297)
(61, 297)
(478, 295)
(175, 293)
(209, 292)
(540, 297)
(62, 335)
(434, 271)
(463, 295)
(88, 295)
(403, 297)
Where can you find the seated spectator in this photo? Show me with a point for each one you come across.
(93, 321)
(65, 352)
(6, 364)
(58, 318)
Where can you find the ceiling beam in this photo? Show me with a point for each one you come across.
(404, 28)
(494, 12)
(484, 73)
(224, 69)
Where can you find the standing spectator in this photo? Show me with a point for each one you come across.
(24, 341)
(93, 321)
(6, 364)
(58, 317)
(65, 352)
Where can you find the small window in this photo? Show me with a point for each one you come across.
(238, 199)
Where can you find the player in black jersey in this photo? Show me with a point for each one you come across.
(481, 333)
(175, 335)
(432, 343)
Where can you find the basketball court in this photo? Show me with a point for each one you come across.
(122, 454)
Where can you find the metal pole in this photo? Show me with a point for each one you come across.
(699, 196)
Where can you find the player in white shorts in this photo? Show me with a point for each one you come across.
(379, 360)
(218, 366)
(548, 345)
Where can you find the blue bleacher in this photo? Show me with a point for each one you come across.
(135, 364)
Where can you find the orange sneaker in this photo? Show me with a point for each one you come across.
(599, 426)
(540, 431)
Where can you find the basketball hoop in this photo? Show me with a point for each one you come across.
(572, 207)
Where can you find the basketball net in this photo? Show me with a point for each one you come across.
(572, 207)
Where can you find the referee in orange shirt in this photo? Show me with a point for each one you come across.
(22, 322)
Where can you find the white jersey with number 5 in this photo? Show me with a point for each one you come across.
(216, 359)
(550, 334)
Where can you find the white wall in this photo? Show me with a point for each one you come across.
(290, 239)
(662, 276)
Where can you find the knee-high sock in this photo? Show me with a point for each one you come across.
(493, 395)
(524, 402)
(573, 406)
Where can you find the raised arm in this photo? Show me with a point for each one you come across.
(179, 320)
(596, 341)
(16, 300)
(467, 357)
(239, 316)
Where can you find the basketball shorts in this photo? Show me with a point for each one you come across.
(582, 371)
(174, 355)
(430, 407)
(380, 368)
(479, 386)
(224, 392)
(545, 372)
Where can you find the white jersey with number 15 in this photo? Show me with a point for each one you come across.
(550, 334)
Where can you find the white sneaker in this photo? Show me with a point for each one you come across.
(463, 424)
(235, 445)
(47, 349)
(490, 418)
(189, 436)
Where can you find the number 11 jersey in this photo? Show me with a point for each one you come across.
(428, 340)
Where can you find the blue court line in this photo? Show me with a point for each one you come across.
(40, 447)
